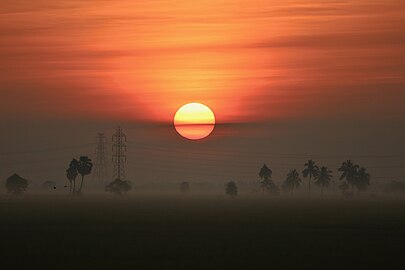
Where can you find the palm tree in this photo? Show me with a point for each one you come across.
(231, 189)
(323, 177)
(71, 174)
(265, 174)
(311, 170)
(349, 172)
(363, 179)
(84, 167)
(292, 181)
(344, 187)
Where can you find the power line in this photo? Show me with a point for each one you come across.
(258, 154)
(218, 153)
(195, 156)
(54, 149)
(224, 173)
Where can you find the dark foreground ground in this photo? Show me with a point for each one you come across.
(200, 232)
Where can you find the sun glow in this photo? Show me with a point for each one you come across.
(194, 121)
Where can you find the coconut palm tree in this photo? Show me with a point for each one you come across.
(71, 174)
(292, 180)
(265, 174)
(310, 171)
(344, 187)
(349, 172)
(363, 179)
(231, 189)
(84, 167)
(323, 178)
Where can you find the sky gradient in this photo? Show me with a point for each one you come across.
(304, 78)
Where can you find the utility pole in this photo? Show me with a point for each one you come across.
(119, 158)
(100, 165)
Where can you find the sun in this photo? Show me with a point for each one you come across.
(194, 121)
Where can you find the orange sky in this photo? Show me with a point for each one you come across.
(292, 76)
(247, 60)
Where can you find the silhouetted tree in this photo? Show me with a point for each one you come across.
(84, 168)
(185, 187)
(349, 173)
(267, 183)
(71, 174)
(344, 187)
(362, 179)
(231, 189)
(265, 174)
(310, 171)
(16, 185)
(118, 186)
(292, 181)
(323, 177)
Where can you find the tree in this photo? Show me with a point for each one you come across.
(231, 189)
(267, 183)
(344, 187)
(185, 187)
(362, 179)
(71, 174)
(119, 187)
(292, 181)
(310, 171)
(323, 177)
(84, 167)
(265, 174)
(349, 173)
(16, 185)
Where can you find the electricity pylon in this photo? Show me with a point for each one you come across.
(119, 158)
(100, 165)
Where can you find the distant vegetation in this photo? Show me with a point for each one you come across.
(16, 185)
(83, 166)
(310, 171)
(71, 174)
(118, 187)
(292, 181)
(353, 178)
(267, 184)
(323, 177)
(231, 189)
(185, 187)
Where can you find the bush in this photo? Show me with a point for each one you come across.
(16, 185)
(118, 187)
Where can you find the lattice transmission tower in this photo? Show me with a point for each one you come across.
(119, 158)
(100, 164)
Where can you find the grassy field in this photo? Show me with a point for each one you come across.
(164, 231)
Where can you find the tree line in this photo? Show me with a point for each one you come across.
(353, 177)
